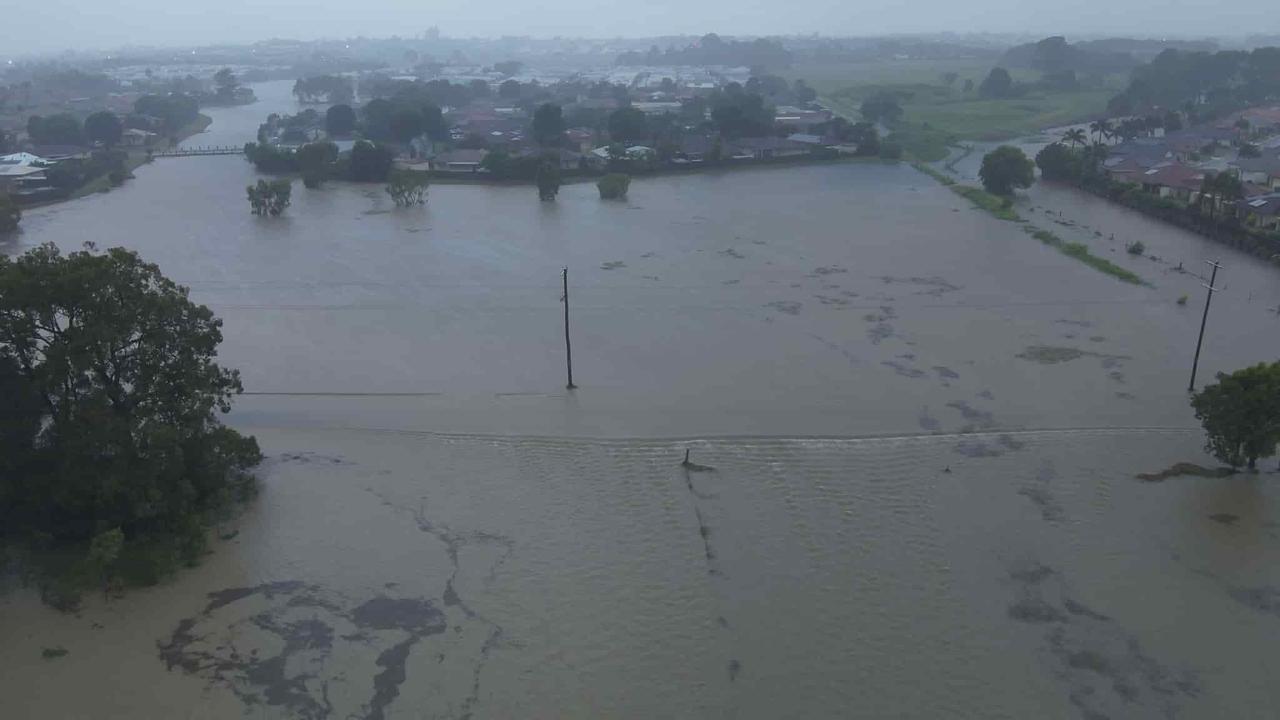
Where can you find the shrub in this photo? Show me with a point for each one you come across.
(1135, 248)
(407, 188)
(614, 186)
(270, 197)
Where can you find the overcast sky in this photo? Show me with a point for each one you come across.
(52, 25)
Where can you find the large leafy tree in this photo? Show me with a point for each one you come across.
(112, 394)
(104, 127)
(1006, 168)
(340, 120)
(1241, 414)
(628, 126)
(60, 129)
(997, 84)
(881, 107)
(548, 124)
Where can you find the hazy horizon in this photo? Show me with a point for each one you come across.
(85, 25)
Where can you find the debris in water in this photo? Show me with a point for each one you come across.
(1185, 468)
(693, 466)
(53, 653)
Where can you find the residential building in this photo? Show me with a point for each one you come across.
(459, 161)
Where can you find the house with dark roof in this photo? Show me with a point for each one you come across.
(1263, 170)
(1172, 180)
(1262, 211)
(764, 148)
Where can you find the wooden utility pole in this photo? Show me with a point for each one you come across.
(568, 351)
(1204, 319)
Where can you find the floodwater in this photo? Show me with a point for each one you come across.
(914, 431)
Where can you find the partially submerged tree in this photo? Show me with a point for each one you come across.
(548, 180)
(269, 197)
(407, 188)
(1241, 414)
(110, 441)
(10, 214)
(103, 127)
(614, 186)
(1006, 168)
(315, 160)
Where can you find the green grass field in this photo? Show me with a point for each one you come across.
(927, 100)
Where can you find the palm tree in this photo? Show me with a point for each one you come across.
(1075, 136)
(1101, 128)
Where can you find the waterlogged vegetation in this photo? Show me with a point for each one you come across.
(112, 459)
(1080, 252)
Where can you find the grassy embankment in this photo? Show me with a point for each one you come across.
(1001, 208)
(937, 115)
(136, 157)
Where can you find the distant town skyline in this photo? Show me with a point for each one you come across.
(58, 25)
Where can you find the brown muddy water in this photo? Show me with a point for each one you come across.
(915, 432)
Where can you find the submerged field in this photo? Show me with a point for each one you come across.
(915, 429)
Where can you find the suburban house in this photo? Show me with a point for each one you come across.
(1262, 211)
(135, 137)
(58, 153)
(1172, 180)
(1263, 170)
(459, 161)
(800, 119)
(765, 148)
(15, 178)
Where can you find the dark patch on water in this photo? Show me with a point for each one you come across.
(1011, 442)
(1044, 500)
(936, 286)
(976, 449)
(903, 370)
(735, 667)
(879, 332)
(1264, 599)
(987, 395)
(1033, 575)
(1034, 610)
(1047, 355)
(1225, 518)
(827, 300)
(981, 418)
(730, 282)
(786, 306)
(1097, 339)
(612, 265)
(1077, 323)
(830, 270)
(309, 458)
(730, 252)
(1126, 396)
(927, 421)
(1076, 608)
(386, 684)
(946, 373)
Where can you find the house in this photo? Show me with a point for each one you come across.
(25, 159)
(695, 148)
(58, 153)
(581, 138)
(801, 119)
(135, 137)
(1172, 180)
(459, 161)
(1262, 211)
(635, 152)
(13, 178)
(765, 148)
(812, 140)
(565, 159)
(1263, 170)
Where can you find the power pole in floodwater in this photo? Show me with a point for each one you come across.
(1196, 363)
(568, 351)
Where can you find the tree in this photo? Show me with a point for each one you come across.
(803, 93)
(1075, 136)
(407, 188)
(881, 107)
(1101, 129)
(340, 120)
(406, 124)
(315, 160)
(1006, 168)
(998, 84)
(1241, 414)
(103, 127)
(433, 123)
(269, 197)
(377, 118)
(60, 129)
(225, 84)
(968, 85)
(949, 78)
(112, 392)
(737, 113)
(369, 162)
(1172, 121)
(614, 186)
(548, 124)
(10, 214)
(1056, 162)
(175, 110)
(1249, 150)
(628, 126)
(548, 179)
(509, 90)
(865, 136)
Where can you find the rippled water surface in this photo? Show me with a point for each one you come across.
(914, 433)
